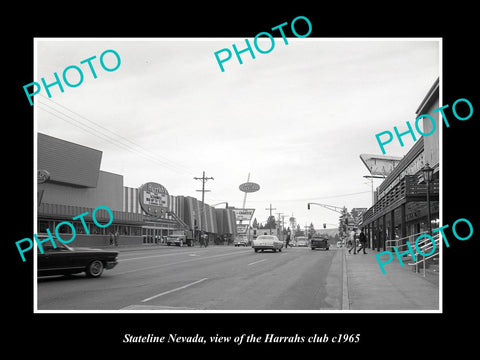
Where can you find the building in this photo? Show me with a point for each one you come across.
(77, 185)
(400, 206)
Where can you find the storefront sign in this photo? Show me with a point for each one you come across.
(42, 176)
(153, 198)
(414, 166)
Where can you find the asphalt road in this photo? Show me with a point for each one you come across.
(213, 278)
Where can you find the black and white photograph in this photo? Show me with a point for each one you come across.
(244, 183)
(256, 188)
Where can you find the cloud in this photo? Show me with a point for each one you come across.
(296, 118)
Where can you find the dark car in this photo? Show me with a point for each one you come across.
(319, 242)
(66, 260)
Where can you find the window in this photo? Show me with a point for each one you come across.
(43, 225)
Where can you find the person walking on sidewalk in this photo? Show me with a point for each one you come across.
(352, 242)
(363, 241)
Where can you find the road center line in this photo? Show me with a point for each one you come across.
(153, 256)
(173, 290)
(191, 259)
(256, 262)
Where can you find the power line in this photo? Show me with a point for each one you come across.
(145, 153)
(107, 138)
(166, 161)
(301, 199)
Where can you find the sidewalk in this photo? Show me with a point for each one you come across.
(400, 288)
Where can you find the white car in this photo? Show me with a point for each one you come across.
(301, 241)
(267, 242)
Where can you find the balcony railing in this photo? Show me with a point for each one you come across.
(407, 188)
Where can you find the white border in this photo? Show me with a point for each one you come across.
(35, 294)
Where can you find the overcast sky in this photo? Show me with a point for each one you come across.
(296, 119)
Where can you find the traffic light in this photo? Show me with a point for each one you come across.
(324, 225)
(308, 206)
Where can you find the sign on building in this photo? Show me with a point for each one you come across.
(380, 165)
(153, 198)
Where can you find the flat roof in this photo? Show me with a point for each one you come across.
(67, 162)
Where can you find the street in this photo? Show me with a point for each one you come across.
(213, 278)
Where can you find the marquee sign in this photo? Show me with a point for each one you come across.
(42, 176)
(243, 214)
(380, 165)
(249, 187)
(153, 198)
(242, 228)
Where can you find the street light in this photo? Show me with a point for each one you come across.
(427, 176)
(223, 202)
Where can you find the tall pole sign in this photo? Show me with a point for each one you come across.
(248, 187)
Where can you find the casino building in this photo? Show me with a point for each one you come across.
(400, 205)
(76, 185)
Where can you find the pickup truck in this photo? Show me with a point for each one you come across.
(179, 238)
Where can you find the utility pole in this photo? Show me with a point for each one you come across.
(204, 180)
(270, 208)
(279, 231)
(245, 196)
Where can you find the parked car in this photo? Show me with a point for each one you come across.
(319, 242)
(267, 242)
(240, 241)
(301, 241)
(66, 260)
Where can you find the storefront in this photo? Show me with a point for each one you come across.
(143, 215)
(400, 209)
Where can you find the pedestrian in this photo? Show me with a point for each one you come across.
(111, 238)
(287, 242)
(351, 242)
(363, 241)
(205, 237)
(115, 238)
